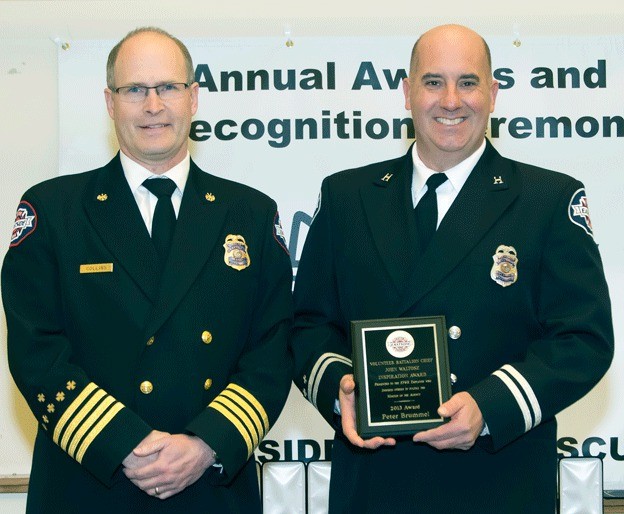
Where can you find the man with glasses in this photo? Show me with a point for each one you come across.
(148, 305)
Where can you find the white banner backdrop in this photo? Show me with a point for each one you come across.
(281, 118)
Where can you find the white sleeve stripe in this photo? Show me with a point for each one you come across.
(528, 391)
(321, 360)
(522, 404)
(319, 369)
(317, 372)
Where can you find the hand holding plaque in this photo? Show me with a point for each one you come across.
(402, 374)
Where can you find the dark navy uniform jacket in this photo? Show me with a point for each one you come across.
(526, 340)
(105, 350)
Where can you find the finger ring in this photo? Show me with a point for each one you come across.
(156, 491)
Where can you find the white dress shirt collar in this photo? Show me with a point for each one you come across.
(135, 173)
(146, 202)
(457, 175)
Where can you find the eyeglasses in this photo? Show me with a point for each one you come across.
(165, 92)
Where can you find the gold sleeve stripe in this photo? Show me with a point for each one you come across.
(95, 431)
(236, 422)
(79, 417)
(71, 408)
(252, 400)
(246, 412)
(89, 422)
(253, 430)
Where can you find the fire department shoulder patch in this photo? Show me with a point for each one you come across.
(578, 211)
(278, 232)
(25, 223)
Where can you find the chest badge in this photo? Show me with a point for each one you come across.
(236, 252)
(505, 268)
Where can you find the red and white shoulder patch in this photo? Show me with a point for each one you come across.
(578, 211)
(25, 223)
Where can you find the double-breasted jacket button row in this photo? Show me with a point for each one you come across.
(146, 387)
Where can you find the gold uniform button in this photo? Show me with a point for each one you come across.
(146, 387)
(150, 341)
(206, 337)
(208, 384)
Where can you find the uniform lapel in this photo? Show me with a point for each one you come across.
(491, 187)
(202, 214)
(387, 202)
(115, 216)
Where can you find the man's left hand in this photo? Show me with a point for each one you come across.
(461, 431)
(182, 460)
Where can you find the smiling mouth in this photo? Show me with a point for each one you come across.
(156, 126)
(450, 122)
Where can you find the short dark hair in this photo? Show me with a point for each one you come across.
(112, 56)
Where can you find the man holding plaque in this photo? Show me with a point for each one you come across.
(507, 271)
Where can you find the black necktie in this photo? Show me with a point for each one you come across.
(427, 210)
(163, 222)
